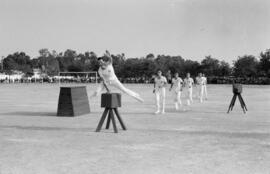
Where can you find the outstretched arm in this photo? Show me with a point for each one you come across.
(108, 54)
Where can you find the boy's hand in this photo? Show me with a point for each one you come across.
(154, 91)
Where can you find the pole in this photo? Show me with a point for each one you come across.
(2, 63)
(96, 77)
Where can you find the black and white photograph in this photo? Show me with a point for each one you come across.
(134, 87)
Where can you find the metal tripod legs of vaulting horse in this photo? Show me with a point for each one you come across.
(237, 90)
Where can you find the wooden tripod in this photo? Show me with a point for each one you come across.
(111, 102)
(109, 112)
(243, 105)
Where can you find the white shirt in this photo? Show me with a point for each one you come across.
(204, 80)
(160, 82)
(108, 73)
(177, 83)
(189, 82)
(201, 81)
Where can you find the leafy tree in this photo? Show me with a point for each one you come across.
(70, 53)
(210, 66)
(176, 64)
(44, 52)
(150, 56)
(264, 64)
(224, 69)
(118, 62)
(67, 59)
(192, 67)
(18, 61)
(246, 66)
(47, 62)
(93, 61)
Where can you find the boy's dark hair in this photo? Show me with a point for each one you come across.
(105, 58)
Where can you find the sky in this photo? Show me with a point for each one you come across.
(193, 29)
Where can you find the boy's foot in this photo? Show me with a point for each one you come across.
(157, 112)
(163, 112)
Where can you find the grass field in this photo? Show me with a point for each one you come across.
(204, 139)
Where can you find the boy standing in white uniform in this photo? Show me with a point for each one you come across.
(204, 86)
(201, 83)
(108, 77)
(197, 93)
(189, 84)
(177, 89)
(159, 90)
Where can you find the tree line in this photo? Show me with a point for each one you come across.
(246, 68)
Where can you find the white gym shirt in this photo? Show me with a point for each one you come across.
(108, 73)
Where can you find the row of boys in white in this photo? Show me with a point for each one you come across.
(160, 92)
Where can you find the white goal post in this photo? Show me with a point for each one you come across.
(77, 77)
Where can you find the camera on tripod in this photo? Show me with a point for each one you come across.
(237, 88)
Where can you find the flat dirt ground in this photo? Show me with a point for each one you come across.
(203, 139)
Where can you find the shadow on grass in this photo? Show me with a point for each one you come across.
(68, 129)
(173, 111)
(38, 114)
(228, 134)
(46, 128)
(29, 113)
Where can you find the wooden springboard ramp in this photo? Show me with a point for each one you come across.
(73, 101)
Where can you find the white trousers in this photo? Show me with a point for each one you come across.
(205, 90)
(177, 98)
(201, 91)
(160, 95)
(117, 84)
(189, 99)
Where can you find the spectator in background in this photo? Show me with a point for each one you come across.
(204, 86)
